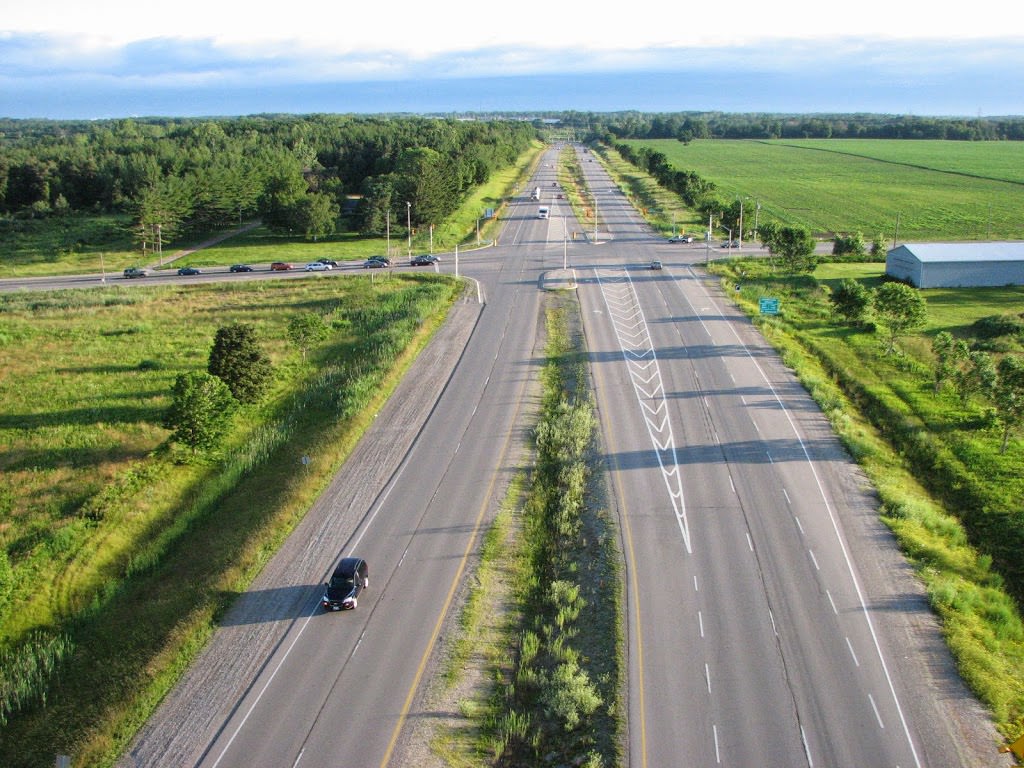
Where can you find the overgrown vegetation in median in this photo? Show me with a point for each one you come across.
(558, 700)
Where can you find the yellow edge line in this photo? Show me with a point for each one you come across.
(403, 716)
(437, 629)
(631, 560)
(624, 517)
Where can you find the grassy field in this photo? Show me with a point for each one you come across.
(951, 498)
(937, 190)
(105, 530)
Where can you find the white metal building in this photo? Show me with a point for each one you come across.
(957, 265)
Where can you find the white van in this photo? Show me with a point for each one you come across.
(542, 212)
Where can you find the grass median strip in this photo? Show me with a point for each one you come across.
(542, 629)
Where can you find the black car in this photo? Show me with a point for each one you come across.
(328, 262)
(423, 261)
(240, 268)
(189, 271)
(350, 578)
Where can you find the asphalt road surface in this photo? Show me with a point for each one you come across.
(771, 621)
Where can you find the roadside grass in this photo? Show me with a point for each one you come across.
(559, 698)
(938, 190)
(951, 499)
(127, 557)
(70, 244)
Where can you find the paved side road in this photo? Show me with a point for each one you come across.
(282, 592)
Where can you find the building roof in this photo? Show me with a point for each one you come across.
(966, 252)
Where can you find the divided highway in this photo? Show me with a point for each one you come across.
(770, 620)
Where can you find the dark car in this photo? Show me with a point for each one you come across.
(281, 266)
(328, 262)
(135, 272)
(376, 262)
(656, 264)
(350, 578)
(240, 268)
(189, 271)
(423, 261)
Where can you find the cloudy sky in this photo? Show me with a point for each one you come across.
(109, 58)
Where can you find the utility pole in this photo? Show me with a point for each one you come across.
(740, 241)
(408, 226)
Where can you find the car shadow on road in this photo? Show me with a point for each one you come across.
(261, 606)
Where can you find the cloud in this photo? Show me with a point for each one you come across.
(42, 75)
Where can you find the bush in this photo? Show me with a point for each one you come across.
(998, 325)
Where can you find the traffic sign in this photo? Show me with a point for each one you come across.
(769, 306)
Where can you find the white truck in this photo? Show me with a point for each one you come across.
(535, 195)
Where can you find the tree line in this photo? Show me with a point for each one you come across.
(687, 126)
(298, 173)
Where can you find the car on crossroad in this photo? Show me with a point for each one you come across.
(318, 266)
(424, 260)
(240, 268)
(190, 271)
(376, 262)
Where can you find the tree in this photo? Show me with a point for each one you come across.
(973, 372)
(316, 214)
(794, 245)
(849, 245)
(238, 361)
(201, 410)
(944, 348)
(1008, 396)
(851, 301)
(307, 329)
(878, 247)
(901, 308)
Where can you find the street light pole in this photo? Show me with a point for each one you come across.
(594, 196)
(408, 226)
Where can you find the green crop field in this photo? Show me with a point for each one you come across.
(936, 190)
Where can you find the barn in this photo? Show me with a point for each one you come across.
(957, 265)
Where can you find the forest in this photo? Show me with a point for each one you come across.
(687, 126)
(305, 175)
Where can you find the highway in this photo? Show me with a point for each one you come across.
(770, 620)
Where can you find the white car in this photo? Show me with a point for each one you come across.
(318, 266)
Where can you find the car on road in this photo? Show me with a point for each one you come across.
(350, 577)
(136, 272)
(318, 266)
(656, 264)
(424, 260)
(376, 262)
(281, 266)
(240, 268)
(681, 239)
(190, 271)
(729, 244)
(329, 262)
